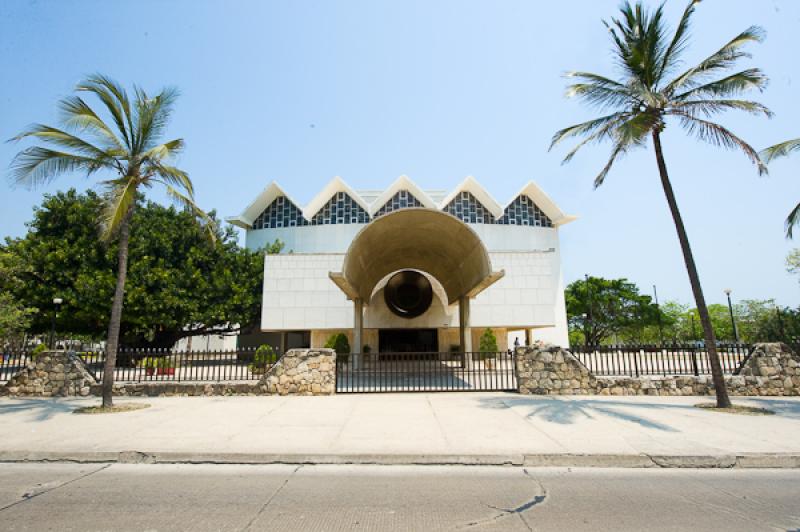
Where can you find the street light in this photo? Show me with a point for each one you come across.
(588, 315)
(56, 305)
(658, 307)
(733, 321)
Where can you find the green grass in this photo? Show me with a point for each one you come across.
(737, 409)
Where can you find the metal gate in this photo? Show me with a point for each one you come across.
(427, 372)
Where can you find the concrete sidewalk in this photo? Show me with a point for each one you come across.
(461, 428)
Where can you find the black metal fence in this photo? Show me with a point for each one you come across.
(425, 372)
(11, 363)
(639, 360)
(146, 365)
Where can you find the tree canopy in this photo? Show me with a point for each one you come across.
(601, 308)
(180, 283)
(15, 316)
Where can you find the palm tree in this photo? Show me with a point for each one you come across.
(652, 87)
(775, 152)
(130, 148)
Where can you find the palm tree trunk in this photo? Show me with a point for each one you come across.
(694, 279)
(112, 343)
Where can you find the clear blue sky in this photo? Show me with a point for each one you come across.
(301, 91)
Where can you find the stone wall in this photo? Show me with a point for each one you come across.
(298, 372)
(50, 374)
(302, 372)
(772, 369)
(551, 370)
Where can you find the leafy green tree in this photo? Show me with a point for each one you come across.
(765, 321)
(653, 86)
(130, 149)
(602, 308)
(180, 283)
(488, 342)
(776, 152)
(15, 317)
(793, 261)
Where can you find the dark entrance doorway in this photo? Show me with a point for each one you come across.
(408, 341)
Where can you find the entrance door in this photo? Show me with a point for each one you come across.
(408, 341)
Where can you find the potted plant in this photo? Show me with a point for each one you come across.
(165, 366)
(149, 364)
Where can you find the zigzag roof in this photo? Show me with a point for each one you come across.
(470, 184)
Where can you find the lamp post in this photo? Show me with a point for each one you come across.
(588, 315)
(56, 305)
(658, 308)
(733, 321)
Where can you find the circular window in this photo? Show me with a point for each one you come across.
(408, 294)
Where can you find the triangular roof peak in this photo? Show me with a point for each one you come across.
(268, 195)
(335, 185)
(543, 201)
(471, 185)
(401, 183)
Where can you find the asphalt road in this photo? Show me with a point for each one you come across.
(211, 497)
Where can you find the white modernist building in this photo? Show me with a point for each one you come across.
(405, 269)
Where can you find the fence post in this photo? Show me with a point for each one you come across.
(636, 362)
(694, 361)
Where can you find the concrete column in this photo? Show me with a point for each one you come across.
(358, 332)
(464, 330)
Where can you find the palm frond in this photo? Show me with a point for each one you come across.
(780, 150)
(635, 131)
(639, 41)
(153, 115)
(601, 96)
(119, 198)
(187, 201)
(37, 165)
(679, 41)
(62, 139)
(164, 151)
(721, 60)
(605, 131)
(617, 152)
(77, 114)
(718, 135)
(792, 220)
(173, 176)
(584, 128)
(116, 101)
(735, 84)
(710, 108)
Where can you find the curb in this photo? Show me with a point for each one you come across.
(741, 461)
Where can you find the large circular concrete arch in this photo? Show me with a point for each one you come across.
(422, 239)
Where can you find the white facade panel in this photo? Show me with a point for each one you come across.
(299, 295)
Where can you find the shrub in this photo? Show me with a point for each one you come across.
(148, 363)
(366, 349)
(38, 350)
(339, 343)
(263, 358)
(488, 342)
